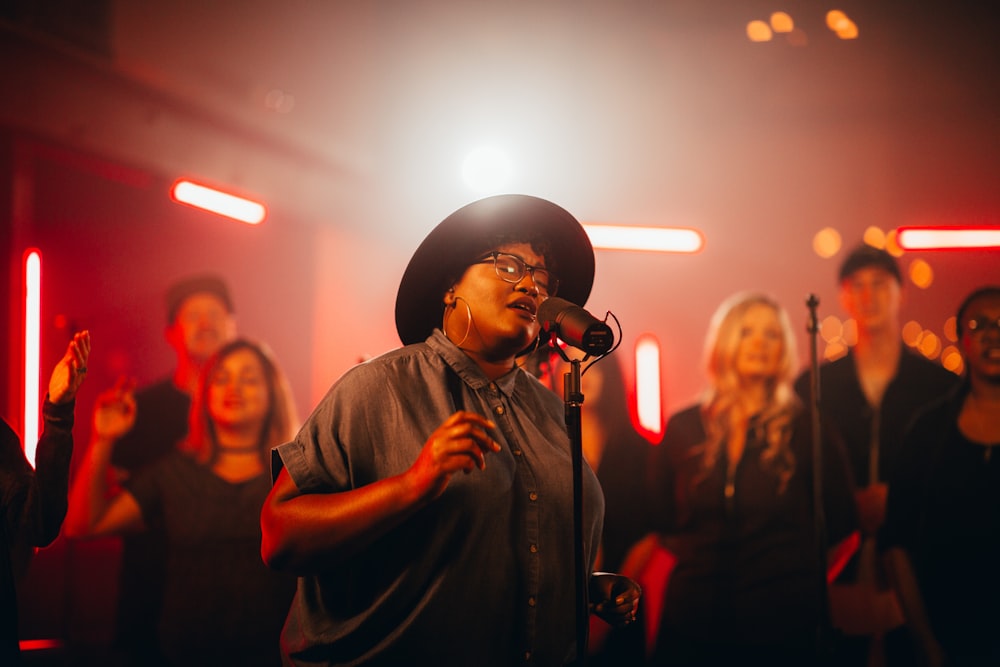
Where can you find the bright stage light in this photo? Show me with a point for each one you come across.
(648, 395)
(653, 239)
(487, 169)
(32, 334)
(948, 238)
(216, 201)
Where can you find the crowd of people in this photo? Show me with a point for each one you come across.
(424, 513)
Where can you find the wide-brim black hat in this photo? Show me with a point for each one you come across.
(461, 238)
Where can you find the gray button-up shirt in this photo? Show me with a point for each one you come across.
(481, 576)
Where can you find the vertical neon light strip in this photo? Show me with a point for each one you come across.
(647, 384)
(32, 335)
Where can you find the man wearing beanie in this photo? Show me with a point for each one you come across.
(199, 321)
(869, 397)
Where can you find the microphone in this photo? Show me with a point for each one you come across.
(575, 326)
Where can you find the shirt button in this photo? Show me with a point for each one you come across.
(499, 410)
(533, 496)
(531, 601)
(493, 386)
(533, 548)
(517, 452)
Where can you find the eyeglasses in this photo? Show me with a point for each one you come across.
(982, 324)
(511, 269)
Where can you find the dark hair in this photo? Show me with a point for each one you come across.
(985, 290)
(538, 242)
(202, 284)
(280, 424)
(865, 256)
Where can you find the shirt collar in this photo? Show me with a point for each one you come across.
(466, 368)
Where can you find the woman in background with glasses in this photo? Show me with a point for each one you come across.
(221, 604)
(427, 502)
(942, 532)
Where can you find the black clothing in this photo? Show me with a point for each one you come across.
(845, 409)
(221, 604)
(161, 423)
(873, 438)
(621, 474)
(748, 577)
(943, 509)
(32, 508)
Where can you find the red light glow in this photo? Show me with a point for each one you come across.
(216, 201)
(32, 335)
(654, 239)
(648, 396)
(39, 644)
(948, 238)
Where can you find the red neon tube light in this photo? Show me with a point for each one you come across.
(648, 395)
(219, 202)
(654, 239)
(32, 348)
(948, 238)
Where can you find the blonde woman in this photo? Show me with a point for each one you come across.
(222, 605)
(732, 495)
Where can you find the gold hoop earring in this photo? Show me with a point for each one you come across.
(468, 326)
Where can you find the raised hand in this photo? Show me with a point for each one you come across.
(71, 370)
(114, 411)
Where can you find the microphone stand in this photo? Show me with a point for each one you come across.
(819, 516)
(573, 397)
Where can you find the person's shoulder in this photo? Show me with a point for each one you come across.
(831, 369)
(400, 360)
(386, 369)
(938, 411)
(918, 364)
(685, 417)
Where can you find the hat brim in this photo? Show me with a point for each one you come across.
(453, 245)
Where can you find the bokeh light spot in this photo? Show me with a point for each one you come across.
(930, 344)
(951, 329)
(892, 244)
(831, 328)
(874, 237)
(850, 31)
(835, 351)
(827, 242)
(797, 37)
(781, 22)
(758, 31)
(951, 359)
(836, 20)
(911, 333)
(921, 273)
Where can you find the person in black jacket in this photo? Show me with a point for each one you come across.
(869, 397)
(941, 536)
(33, 501)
